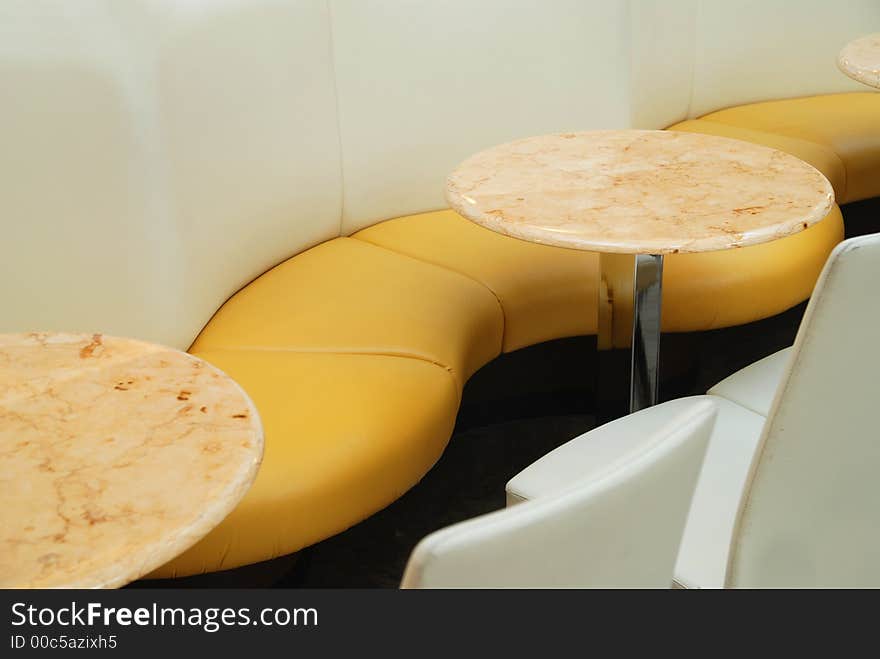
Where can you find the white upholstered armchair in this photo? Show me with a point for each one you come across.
(788, 495)
(618, 524)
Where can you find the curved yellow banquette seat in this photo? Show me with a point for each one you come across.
(233, 181)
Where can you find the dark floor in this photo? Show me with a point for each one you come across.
(513, 411)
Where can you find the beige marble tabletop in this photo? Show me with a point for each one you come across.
(639, 191)
(115, 456)
(860, 60)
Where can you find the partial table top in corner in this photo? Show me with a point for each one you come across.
(639, 191)
(860, 60)
(115, 456)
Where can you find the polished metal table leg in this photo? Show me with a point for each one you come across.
(628, 317)
(647, 303)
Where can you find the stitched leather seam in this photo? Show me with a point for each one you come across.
(447, 269)
(327, 351)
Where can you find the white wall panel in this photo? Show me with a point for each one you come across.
(422, 85)
(157, 155)
(756, 50)
(663, 41)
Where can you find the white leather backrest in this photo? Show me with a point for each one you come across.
(621, 527)
(757, 50)
(662, 61)
(423, 85)
(157, 155)
(809, 517)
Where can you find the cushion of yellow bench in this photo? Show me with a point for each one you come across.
(711, 290)
(345, 436)
(545, 292)
(538, 284)
(349, 296)
(847, 124)
(355, 354)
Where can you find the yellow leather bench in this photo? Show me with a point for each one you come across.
(839, 134)
(548, 292)
(346, 435)
(356, 351)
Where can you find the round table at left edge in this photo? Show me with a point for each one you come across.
(116, 455)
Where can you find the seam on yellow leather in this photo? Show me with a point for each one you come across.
(448, 269)
(328, 351)
(462, 380)
(457, 382)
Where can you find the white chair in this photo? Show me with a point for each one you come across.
(618, 525)
(788, 494)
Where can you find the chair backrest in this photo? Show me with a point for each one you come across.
(620, 528)
(811, 509)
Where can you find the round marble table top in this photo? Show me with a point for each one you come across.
(115, 456)
(860, 60)
(639, 191)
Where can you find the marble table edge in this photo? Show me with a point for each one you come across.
(547, 236)
(224, 504)
(209, 518)
(856, 70)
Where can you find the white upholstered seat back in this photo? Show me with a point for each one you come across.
(156, 155)
(759, 50)
(809, 517)
(423, 85)
(619, 527)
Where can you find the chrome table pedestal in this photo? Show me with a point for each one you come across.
(630, 300)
